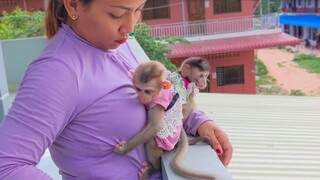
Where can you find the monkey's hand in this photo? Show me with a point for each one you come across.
(144, 171)
(192, 90)
(121, 147)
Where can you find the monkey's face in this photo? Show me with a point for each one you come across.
(198, 77)
(147, 91)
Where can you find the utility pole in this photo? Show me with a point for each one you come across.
(260, 7)
(183, 18)
(25, 5)
(45, 3)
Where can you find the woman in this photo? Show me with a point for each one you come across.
(77, 98)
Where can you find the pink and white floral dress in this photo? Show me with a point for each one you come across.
(169, 134)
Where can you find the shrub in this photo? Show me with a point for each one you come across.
(21, 24)
(156, 47)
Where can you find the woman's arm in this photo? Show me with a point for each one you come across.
(198, 123)
(42, 108)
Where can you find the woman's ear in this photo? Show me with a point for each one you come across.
(71, 7)
(185, 70)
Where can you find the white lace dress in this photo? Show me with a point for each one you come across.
(169, 134)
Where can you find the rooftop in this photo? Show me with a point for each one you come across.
(274, 137)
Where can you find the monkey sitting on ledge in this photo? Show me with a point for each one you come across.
(164, 127)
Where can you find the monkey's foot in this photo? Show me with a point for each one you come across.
(144, 171)
(120, 148)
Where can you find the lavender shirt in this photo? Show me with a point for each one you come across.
(78, 101)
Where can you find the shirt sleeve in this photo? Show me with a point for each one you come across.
(44, 104)
(195, 119)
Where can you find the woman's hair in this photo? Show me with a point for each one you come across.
(56, 14)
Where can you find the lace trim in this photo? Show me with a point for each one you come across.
(172, 120)
(178, 86)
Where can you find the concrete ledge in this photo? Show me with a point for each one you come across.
(4, 94)
(4, 106)
(200, 157)
(16, 63)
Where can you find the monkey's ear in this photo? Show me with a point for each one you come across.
(166, 85)
(185, 70)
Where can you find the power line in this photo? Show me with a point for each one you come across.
(176, 4)
(159, 7)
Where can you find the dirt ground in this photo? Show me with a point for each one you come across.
(287, 73)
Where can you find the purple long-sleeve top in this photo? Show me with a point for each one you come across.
(79, 102)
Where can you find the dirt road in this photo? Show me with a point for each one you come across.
(289, 76)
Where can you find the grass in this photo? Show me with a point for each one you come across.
(308, 62)
(266, 84)
(262, 69)
(265, 80)
(297, 92)
(288, 49)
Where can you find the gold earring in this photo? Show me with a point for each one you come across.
(74, 17)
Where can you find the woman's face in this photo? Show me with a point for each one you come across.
(106, 23)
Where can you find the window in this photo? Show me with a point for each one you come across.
(310, 3)
(8, 3)
(226, 6)
(228, 75)
(299, 3)
(156, 9)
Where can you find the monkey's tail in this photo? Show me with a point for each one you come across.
(180, 156)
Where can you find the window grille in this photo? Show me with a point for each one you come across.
(226, 6)
(156, 9)
(228, 75)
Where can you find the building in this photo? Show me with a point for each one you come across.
(28, 5)
(223, 31)
(301, 18)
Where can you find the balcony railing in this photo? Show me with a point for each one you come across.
(219, 26)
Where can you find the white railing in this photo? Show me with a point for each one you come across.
(218, 26)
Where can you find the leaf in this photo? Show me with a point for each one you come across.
(156, 47)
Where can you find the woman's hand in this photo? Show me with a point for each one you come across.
(220, 141)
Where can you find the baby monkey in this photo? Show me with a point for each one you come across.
(164, 127)
(191, 77)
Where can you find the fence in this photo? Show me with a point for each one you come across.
(219, 26)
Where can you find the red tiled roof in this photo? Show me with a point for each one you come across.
(231, 44)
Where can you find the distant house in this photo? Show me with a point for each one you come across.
(28, 5)
(301, 18)
(223, 31)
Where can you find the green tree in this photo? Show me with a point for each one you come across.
(156, 47)
(274, 7)
(21, 24)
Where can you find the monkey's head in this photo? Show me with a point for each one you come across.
(197, 70)
(148, 80)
